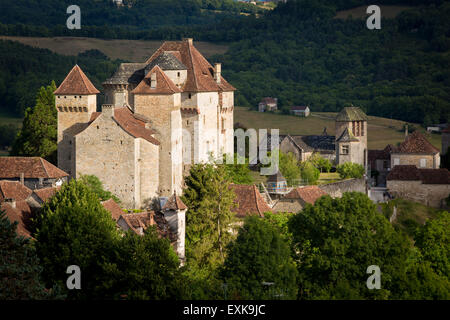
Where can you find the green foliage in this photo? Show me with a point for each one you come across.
(281, 221)
(20, 272)
(289, 167)
(309, 173)
(75, 229)
(238, 173)
(259, 254)
(143, 268)
(350, 170)
(37, 138)
(7, 134)
(96, 186)
(324, 165)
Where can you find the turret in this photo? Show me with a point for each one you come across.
(76, 101)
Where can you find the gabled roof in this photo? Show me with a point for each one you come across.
(112, 206)
(163, 83)
(127, 73)
(18, 214)
(249, 201)
(174, 203)
(31, 167)
(416, 143)
(308, 194)
(347, 136)
(136, 127)
(200, 73)
(13, 190)
(166, 61)
(268, 100)
(299, 108)
(412, 173)
(351, 114)
(76, 82)
(46, 193)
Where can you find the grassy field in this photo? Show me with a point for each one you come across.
(130, 50)
(381, 131)
(388, 12)
(328, 177)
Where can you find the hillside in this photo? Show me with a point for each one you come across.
(381, 131)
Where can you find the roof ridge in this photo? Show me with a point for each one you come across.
(193, 64)
(45, 169)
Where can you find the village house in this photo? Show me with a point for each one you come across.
(428, 186)
(160, 116)
(301, 111)
(33, 172)
(268, 104)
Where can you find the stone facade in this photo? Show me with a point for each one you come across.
(431, 195)
(418, 160)
(337, 189)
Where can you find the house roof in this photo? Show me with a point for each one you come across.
(143, 220)
(174, 203)
(412, 173)
(299, 108)
(308, 194)
(384, 154)
(76, 82)
(200, 73)
(249, 201)
(268, 100)
(351, 114)
(112, 206)
(127, 73)
(31, 167)
(166, 61)
(134, 126)
(163, 83)
(347, 136)
(13, 190)
(416, 143)
(18, 214)
(45, 193)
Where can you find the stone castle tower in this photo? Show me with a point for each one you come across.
(351, 136)
(160, 117)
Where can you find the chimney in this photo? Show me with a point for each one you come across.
(22, 178)
(406, 130)
(189, 40)
(217, 72)
(153, 80)
(108, 110)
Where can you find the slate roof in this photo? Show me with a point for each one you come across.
(134, 126)
(166, 61)
(416, 143)
(200, 73)
(351, 114)
(127, 73)
(249, 201)
(174, 203)
(347, 136)
(31, 167)
(163, 83)
(412, 173)
(308, 194)
(13, 190)
(76, 82)
(112, 206)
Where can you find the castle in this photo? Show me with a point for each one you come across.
(160, 116)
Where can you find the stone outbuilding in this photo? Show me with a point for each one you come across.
(301, 111)
(268, 104)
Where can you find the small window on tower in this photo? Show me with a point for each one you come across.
(345, 149)
(190, 96)
(179, 74)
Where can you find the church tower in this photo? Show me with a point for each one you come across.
(76, 101)
(158, 99)
(351, 136)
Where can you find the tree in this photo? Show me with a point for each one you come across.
(238, 173)
(37, 137)
(337, 239)
(143, 267)
(309, 173)
(324, 165)
(75, 229)
(260, 255)
(96, 186)
(350, 170)
(289, 167)
(20, 271)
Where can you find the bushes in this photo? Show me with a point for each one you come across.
(309, 172)
(350, 170)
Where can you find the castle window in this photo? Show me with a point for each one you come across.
(65, 97)
(70, 109)
(98, 127)
(179, 74)
(84, 109)
(190, 96)
(345, 149)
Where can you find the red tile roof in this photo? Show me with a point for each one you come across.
(112, 206)
(31, 167)
(163, 84)
(200, 73)
(46, 193)
(416, 143)
(174, 203)
(308, 194)
(412, 173)
(143, 220)
(76, 82)
(249, 201)
(133, 125)
(13, 190)
(18, 215)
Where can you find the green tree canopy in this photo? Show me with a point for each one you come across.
(258, 257)
(289, 167)
(96, 186)
(309, 173)
(350, 170)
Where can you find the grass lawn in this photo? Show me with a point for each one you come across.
(130, 50)
(381, 131)
(328, 177)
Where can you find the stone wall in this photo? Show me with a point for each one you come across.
(336, 189)
(427, 194)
